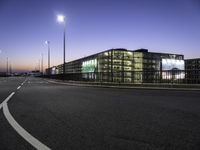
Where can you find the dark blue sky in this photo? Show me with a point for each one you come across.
(95, 25)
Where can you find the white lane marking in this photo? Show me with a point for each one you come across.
(21, 131)
(7, 99)
(18, 87)
(23, 82)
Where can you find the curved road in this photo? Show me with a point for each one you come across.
(63, 117)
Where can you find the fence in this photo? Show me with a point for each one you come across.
(170, 76)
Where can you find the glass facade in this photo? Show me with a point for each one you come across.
(192, 69)
(119, 65)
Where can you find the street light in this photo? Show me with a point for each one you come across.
(7, 65)
(48, 44)
(42, 63)
(61, 19)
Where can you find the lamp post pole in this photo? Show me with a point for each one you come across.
(48, 57)
(61, 19)
(48, 44)
(7, 66)
(64, 48)
(42, 64)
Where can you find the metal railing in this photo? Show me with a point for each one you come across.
(169, 76)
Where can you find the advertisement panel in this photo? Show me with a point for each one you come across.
(173, 64)
(173, 69)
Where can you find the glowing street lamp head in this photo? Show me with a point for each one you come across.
(47, 42)
(61, 18)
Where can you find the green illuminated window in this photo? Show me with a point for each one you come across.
(89, 65)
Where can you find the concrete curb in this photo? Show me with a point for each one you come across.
(121, 87)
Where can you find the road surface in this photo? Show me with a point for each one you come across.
(37, 114)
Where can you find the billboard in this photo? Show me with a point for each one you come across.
(173, 69)
(173, 64)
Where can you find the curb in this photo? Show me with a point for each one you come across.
(123, 87)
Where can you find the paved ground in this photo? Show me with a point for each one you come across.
(71, 118)
(7, 85)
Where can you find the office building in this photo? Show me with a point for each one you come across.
(126, 66)
(192, 70)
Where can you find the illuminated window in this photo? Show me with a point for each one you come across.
(89, 65)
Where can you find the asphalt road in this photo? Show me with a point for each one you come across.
(64, 117)
(7, 85)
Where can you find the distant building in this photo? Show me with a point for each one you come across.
(2, 74)
(122, 65)
(192, 70)
(35, 73)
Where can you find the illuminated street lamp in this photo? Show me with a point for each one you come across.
(48, 44)
(61, 19)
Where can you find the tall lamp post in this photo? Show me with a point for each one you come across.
(42, 63)
(61, 19)
(7, 65)
(48, 44)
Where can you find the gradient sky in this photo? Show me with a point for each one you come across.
(169, 26)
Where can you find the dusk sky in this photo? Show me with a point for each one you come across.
(168, 26)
